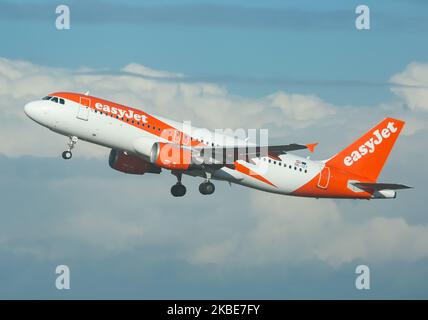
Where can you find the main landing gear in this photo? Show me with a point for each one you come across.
(71, 143)
(178, 190)
(207, 187)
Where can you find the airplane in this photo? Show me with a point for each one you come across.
(143, 143)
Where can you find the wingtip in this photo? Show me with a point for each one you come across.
(311, 146)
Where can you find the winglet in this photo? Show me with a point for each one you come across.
(311, 146)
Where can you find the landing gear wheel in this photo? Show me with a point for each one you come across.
(178, 190)
(206, 188)
(67, 155)
(71, 143)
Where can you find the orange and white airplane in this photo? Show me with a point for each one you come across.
(144, 143)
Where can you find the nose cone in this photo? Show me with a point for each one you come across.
(30, 110)
(37, 111)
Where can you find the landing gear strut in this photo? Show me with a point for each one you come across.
(207, 187)
(71, 142)
(178, 190)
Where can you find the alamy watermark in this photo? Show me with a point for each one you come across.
(62, 21)
(362, 282)
(62, 281)
(362, 22)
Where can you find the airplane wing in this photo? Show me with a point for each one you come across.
(231, 154)
(379, 186)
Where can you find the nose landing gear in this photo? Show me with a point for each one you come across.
(67, 155)
(71, 143)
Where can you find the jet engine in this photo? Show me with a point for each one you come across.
(171, 156)
(131, 164)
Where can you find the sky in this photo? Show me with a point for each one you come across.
(298, 68)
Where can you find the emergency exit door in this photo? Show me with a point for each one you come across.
(84, 108)
(324, 178)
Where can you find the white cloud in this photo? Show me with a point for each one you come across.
(377, 240)
(413, 85)
(287, 115)
(296, 230)
(305, 109)
(146, 71)
(205, 104)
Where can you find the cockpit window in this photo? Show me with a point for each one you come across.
(54, 99)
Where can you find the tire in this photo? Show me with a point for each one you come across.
(178, 190)
(202, 188)
(206, 188)
(67, 155)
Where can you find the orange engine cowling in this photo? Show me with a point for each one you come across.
(128, 163)
(170, 156)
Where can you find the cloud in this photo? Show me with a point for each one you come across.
(415, 74)
(205, 104)
(287, 115)
(135, 68)
(111, 213)
(296, 231)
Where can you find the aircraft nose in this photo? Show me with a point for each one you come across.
(29, 109)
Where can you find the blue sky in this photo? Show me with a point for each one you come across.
(238, 41)
(299, 68)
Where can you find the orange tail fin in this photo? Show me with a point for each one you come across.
(366, 156)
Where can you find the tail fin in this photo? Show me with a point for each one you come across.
(367, 155)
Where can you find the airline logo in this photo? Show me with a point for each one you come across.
(370, 145)
(130, 114)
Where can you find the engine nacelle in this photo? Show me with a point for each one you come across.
(170, 156)
(131, 164)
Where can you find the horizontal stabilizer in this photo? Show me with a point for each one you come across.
(379, 186)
